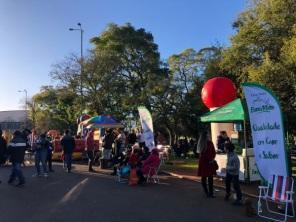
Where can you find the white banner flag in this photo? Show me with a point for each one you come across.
(147, 126)
(267, 130)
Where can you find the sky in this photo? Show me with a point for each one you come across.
(34, 34)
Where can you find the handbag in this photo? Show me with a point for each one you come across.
(215, 165)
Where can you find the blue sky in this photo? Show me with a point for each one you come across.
(34, 33)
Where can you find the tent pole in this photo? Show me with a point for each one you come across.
(247, 156)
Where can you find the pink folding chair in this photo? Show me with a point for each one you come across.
(152, 175)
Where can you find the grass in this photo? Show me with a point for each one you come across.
(182, 164)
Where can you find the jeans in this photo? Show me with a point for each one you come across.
(235, 181)
(68, 160)
(41, 156)
(106, 154)
(49, 160)
(16, 172)
(208, 187)
(90, 155)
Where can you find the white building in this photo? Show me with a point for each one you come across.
(13, 120)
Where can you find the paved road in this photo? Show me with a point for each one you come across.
(82, 196)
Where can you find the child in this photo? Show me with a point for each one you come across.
(232, 173)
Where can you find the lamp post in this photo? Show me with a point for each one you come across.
(26, 105)
(26, 94)
(81, 61)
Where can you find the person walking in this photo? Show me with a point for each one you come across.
(232, 174)
(41, 151)
(16, 151)
(90, 148)
(206, 165)
(49, 154)
(68, 144)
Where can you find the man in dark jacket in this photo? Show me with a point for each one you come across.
(16, 150)
(108, 144)
(221, 140)
(68, 144)
(3, 149)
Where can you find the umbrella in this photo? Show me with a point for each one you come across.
(101, 122)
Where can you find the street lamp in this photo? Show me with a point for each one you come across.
(26, 105)
(81, 60)
(26, 94)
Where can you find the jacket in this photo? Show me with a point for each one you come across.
(108, 141)
(42, 144)
(16, 149)
(152, 161)
(221, 142)
(233, 164)
(133, 160)
(3, 150)
(205, 166)
(68, 144)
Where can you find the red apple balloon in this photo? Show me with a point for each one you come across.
(218, 91)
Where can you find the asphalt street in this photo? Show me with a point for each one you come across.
(83, 196)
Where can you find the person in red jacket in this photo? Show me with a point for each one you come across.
(206, 166)
(134, 158)
(149, 166)
(90, 148)
(152, 161)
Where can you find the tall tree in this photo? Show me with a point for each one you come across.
(141, 74)
(54, 108)
(261, 50)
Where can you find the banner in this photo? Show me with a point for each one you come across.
(147, 126)
(267, 130)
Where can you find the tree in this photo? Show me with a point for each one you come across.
(180, 107)
(260, 51)
(140, 75)
(54, 108)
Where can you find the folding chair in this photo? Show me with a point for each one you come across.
(153, 174)
(278, 191)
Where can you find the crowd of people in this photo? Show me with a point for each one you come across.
(119, 149)
(126, 152)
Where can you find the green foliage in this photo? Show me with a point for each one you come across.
(54, 108)
(139, 75)
(263, 50)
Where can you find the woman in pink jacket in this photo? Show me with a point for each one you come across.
(152, 161)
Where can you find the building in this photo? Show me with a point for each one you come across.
(13, 120)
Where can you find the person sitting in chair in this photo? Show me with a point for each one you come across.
(149, 166)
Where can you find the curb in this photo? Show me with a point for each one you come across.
(192, 178)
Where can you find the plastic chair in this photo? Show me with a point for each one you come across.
(278, 191)
(153, 174)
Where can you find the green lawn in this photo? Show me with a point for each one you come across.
(180, 164)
